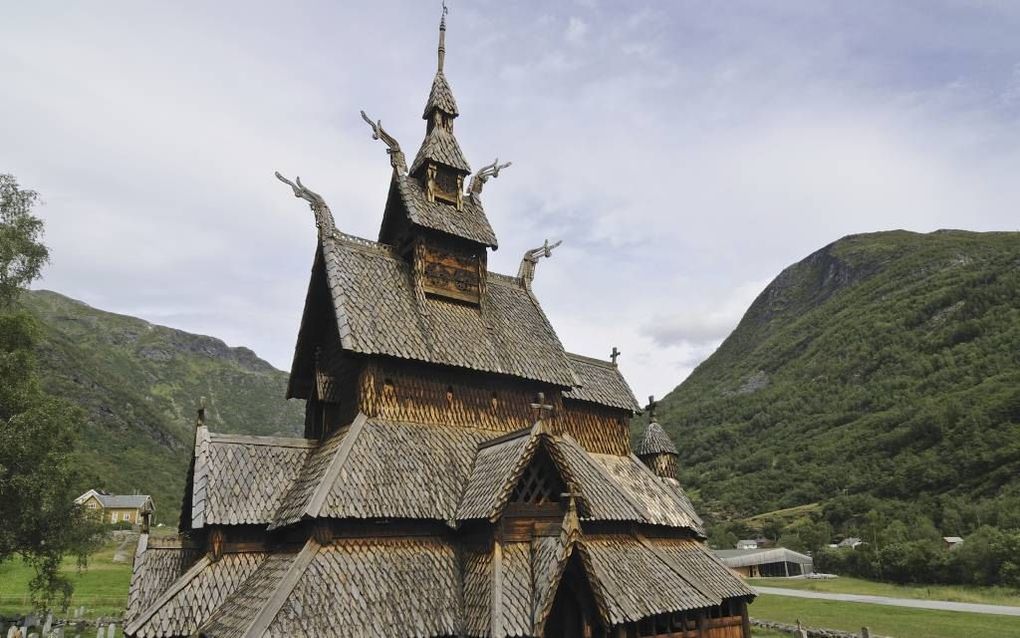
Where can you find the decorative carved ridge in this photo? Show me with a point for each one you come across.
(526, 273)
(397, 160)
(484, 173)
(323, 216)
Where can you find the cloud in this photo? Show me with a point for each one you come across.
(685, 155)
(577, 29)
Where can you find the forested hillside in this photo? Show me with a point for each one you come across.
(880, 373)
(139, 385)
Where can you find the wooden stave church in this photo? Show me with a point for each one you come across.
(460, 473)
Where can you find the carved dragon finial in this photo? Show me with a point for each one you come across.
(483, 174)
(530, 259)
(323, 216)
(397, 160)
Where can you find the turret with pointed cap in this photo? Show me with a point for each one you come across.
(440, 154)
(656, 449)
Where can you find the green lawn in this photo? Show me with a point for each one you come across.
(900, 622)
(102, 588)
(845, 585)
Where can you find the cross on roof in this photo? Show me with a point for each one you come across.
(650, 408)
(614, 355)
(542, 409)
(571, 494)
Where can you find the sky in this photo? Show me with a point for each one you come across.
(684, 152)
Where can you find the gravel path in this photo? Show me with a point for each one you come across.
(942, 605)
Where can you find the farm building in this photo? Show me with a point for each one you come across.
(769, 562)
(460, 473)
(116, 508)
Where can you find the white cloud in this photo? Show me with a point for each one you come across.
(577, 29)
(684, 155)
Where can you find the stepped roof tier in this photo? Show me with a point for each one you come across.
(460, 472)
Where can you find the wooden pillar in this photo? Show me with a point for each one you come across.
(746, 617)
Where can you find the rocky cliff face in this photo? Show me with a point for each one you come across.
(139, 385)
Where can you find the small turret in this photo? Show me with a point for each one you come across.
(656, 449)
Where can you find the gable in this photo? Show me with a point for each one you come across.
(379, 312)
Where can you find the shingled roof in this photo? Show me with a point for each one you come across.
(379, 313)
(380, 469)
(655, 441)
(192, 598)
(469, 222)
(440, 97)
(600, 382)
(239, 479)
(417, 586)
(157, 564)
(440, 146)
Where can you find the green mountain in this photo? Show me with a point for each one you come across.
(884, 365)
(140, 384)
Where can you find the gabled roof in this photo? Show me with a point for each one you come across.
(115, 501)
(389, 586)
(600, 382)
(385, 469)
(638, 581)
(498, 467)
(440, 146)
(240, 480)
(612, 488)
(655, 441)
(379, 313)
(157, 564)
(407, 195)
(440, 97)
(193, 597)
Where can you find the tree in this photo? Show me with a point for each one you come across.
(38, 433)
(22, 253)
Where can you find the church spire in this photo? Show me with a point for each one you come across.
(442, 39)
(440, 163)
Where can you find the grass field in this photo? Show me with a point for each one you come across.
(883, 620)
(102, 588)
(845, 585)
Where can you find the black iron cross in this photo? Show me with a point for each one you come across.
(650, 408)
(614, 355)
(541, 408)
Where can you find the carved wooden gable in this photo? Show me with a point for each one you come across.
(450, 274)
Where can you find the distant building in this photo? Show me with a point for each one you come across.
(747, 544)
(952, 542)
(852, 542)
(756, 563)
(116, 508)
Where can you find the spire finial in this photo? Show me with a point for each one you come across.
(652, 404)
(442, 37)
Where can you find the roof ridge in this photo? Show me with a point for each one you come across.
(325, 486)
(503, 438)
(498, 277)
(255, 439)
(260, 623)
(361, 242)
(182, 581)
(582, 357)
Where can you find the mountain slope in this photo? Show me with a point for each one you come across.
(885, 364)
(140, 384)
